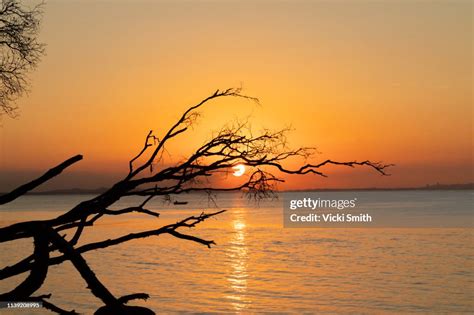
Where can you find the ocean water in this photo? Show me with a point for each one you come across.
(258, 266)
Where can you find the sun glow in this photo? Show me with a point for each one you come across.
(239, 170)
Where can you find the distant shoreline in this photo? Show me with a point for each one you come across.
(431, 188)
(468, 186)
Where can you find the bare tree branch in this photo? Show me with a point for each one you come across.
(20, 50)
(189, 222)
(50, 306)
(265, 153)
(55, 171)
(39, 269)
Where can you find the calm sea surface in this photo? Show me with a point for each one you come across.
(259, 266)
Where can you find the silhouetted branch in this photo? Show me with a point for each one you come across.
(93, 283)
(149, 137)
(185, 121)
(39, 270)
(54, 308)
(265, 153)
(131, 209)
(138, 209)
(40, 180)
(191, 238)
(188, 222)
(136, 296)
(50, 306)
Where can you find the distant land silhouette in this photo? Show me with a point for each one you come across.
(437, 186)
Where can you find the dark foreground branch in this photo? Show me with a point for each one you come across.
(266, 156)
(50, 306)
(40, 180)
(190, 222)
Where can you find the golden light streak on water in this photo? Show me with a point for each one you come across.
(238, 257)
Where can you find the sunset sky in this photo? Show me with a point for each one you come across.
(385, 80)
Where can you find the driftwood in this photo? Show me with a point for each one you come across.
(232, 145)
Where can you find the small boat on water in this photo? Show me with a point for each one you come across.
(176, 202)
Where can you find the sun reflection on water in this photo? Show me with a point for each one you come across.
(238, 257)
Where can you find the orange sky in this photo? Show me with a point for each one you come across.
(359, 80)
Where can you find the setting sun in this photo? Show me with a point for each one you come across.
(239, 170)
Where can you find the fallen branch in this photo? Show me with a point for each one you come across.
(264, 154)
(9, 197)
